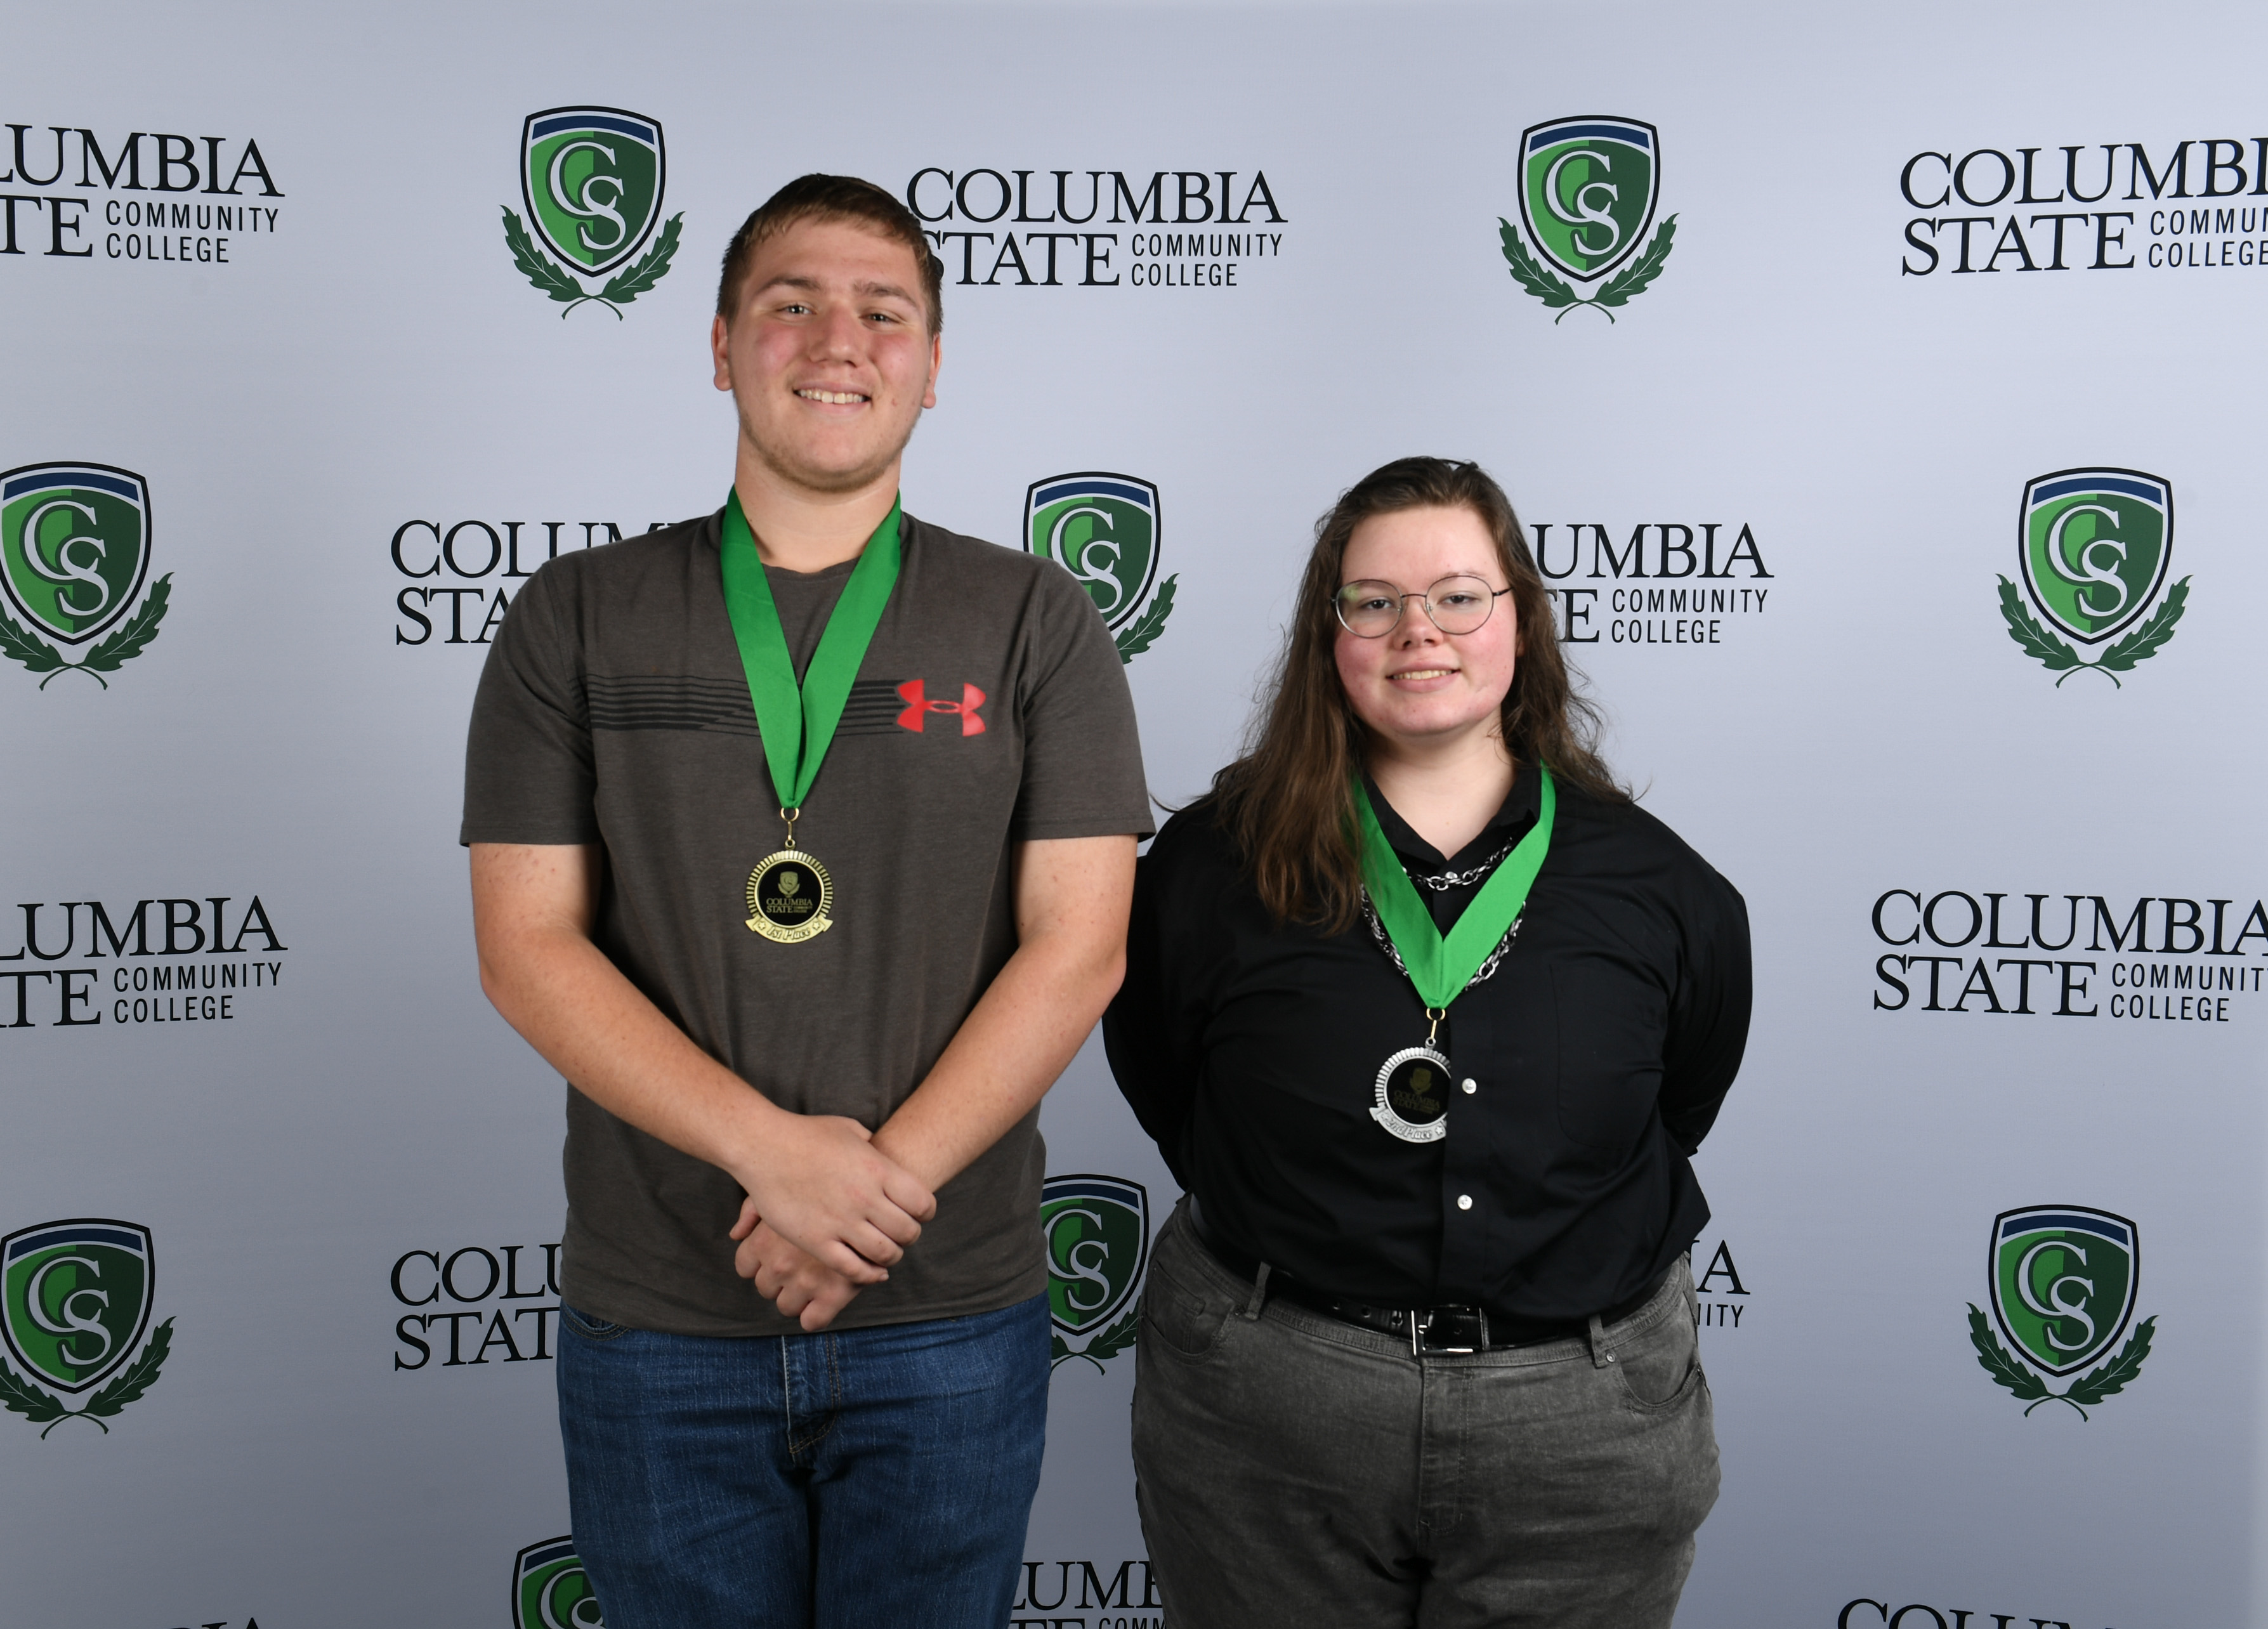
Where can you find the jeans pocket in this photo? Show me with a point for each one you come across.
(1661, 1370)
(588, 1327)
(1183, 1315)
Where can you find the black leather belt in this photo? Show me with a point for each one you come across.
(1445, 1330)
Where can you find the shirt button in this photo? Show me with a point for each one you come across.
(1464, 1202)
(1471, 1086)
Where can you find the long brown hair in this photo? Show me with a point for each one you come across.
(1288, 802)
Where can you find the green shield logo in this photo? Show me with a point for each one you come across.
(593, 181)
(2064, 1279)
(550, 1590)
(1103, 528)
(1588, 188)
(1097, 1230)
(2095, 545)
(74, 545)
(75, 1298)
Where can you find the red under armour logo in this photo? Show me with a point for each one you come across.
(918, 707)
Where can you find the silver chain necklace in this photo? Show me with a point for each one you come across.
(1481, 973)
(1449, 880)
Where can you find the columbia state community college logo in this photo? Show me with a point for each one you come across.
(550, 1589)
(592, 179)
(1097, 1232)
(1103, 528)
(75, 1298)
(2093, 547)
(1588, 188)
(74, 554)
(2064, 1279)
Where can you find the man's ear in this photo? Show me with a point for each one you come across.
(718, 335)
(936, 361)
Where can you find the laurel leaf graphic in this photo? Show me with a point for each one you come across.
(1632, 279)
(2145, 640)
(2114, 1375)
(1993, 1359)
(2037, 641)
(1118, 1336)
(137, 631)
(626, 285)
(539, 268)
(19, 1396)
(1530, 276)
(1110, 1344)
(29, 649)
(1146, 627)
(137, 1377)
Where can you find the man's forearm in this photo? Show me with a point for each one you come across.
(1027, 1026)
(571, 1003)
(817, 1178)
(1019, 1039)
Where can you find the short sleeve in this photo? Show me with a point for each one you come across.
(528, 771)
(1082, 752)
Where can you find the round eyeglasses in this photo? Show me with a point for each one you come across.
(1371, 609)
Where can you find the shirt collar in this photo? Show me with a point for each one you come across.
(1513, 818)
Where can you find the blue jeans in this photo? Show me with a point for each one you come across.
(872, 1476)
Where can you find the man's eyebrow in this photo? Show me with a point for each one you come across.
(812, 285)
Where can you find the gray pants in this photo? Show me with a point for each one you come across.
(1293, 1469)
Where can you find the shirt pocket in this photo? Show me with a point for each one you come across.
(1611, 1027)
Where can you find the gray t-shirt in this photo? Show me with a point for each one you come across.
(991, 708)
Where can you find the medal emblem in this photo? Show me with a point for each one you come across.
(789, 894)
(1411, 1100)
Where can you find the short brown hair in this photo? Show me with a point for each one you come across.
(1289, 801)
(831, 197)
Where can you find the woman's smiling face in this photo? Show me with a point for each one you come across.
(1417, 687)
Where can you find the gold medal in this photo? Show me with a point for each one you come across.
(789, 893)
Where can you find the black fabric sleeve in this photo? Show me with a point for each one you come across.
(1151, 1043)
(1709, 1015)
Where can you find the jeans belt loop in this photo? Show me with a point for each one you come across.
(1259, 1297)
(1600, 1355)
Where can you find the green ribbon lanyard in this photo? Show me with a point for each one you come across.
(1442, 968)
(797, 723)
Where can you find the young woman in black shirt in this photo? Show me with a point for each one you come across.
(1426, 1017)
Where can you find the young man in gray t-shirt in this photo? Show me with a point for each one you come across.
(803, 837)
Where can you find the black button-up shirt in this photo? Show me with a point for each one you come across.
(1596, 1055)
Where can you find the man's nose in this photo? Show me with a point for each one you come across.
(835, 333)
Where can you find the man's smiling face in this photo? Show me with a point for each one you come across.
(829, 356)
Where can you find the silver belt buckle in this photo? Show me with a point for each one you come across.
(1421, 1328)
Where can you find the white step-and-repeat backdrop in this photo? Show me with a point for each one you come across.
(1881, 388)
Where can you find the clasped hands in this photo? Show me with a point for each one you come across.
(826, 1214)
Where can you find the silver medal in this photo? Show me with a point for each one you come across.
(1411, 1100)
